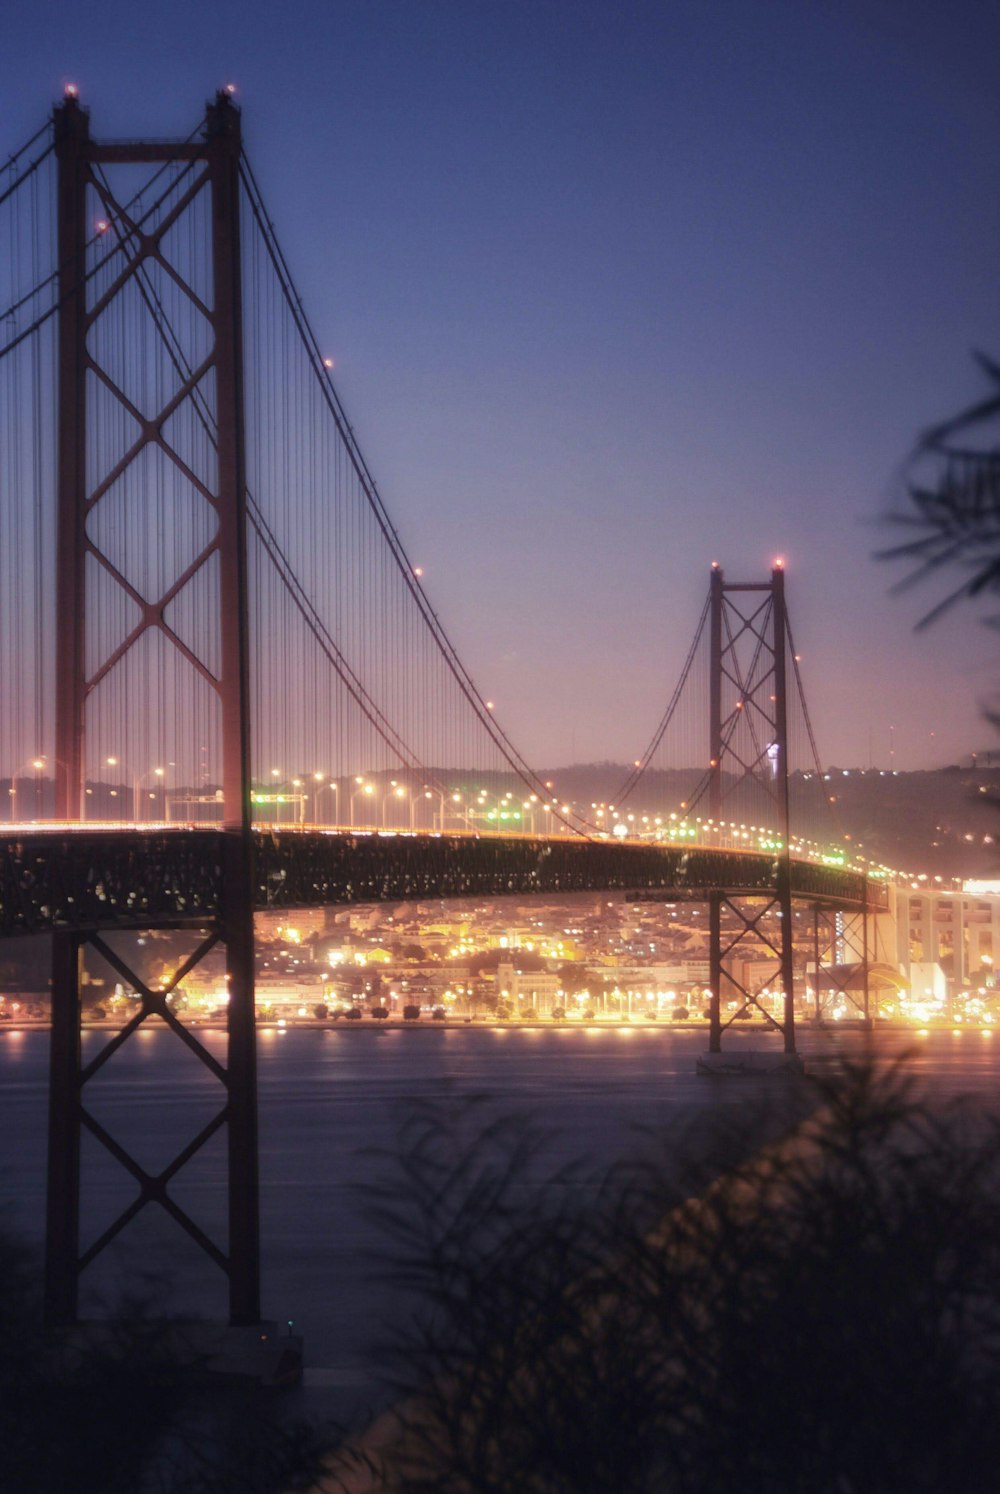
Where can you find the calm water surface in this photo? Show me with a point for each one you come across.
(331, 1102)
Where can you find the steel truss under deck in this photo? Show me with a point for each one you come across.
(84, 880)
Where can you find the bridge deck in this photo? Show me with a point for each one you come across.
(81, 878)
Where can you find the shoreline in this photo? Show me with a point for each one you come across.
(462, 1024)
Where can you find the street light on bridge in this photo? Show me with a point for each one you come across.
(137, 783)
(113, 762)
(364, 789)
(37, 764)
(445, 798)
(320, 780)
(397, 792)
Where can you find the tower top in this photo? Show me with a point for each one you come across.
(223, 116)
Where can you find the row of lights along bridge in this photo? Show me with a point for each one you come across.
(320, 801)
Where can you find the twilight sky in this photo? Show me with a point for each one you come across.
(615, 291)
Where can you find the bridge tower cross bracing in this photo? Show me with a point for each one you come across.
(216, 160)
(748, 642)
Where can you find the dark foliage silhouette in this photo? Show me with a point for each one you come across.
(823, 1318)
(953, 486)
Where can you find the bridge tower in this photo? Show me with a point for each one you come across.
(127, 278)
(748, 713)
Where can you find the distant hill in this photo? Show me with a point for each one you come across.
(944, 822)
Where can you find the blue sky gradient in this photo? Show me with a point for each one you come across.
(614, 292)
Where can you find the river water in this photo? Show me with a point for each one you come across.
(331, 1103)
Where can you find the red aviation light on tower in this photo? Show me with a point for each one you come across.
(327, 362)
(230, 89)
(779, 562)
(70, 91)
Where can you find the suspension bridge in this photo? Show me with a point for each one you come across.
(226, 689)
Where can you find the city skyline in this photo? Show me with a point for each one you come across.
(610, 299)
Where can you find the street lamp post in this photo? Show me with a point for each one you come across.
(396, 792)
(112, 762)
(440, 795)
(37, 765)
(444, 799)
(321, 782)
(482, 805)
(137, 783)
(277, 777)
(429, 793)
(364, 789)
(318, 779)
